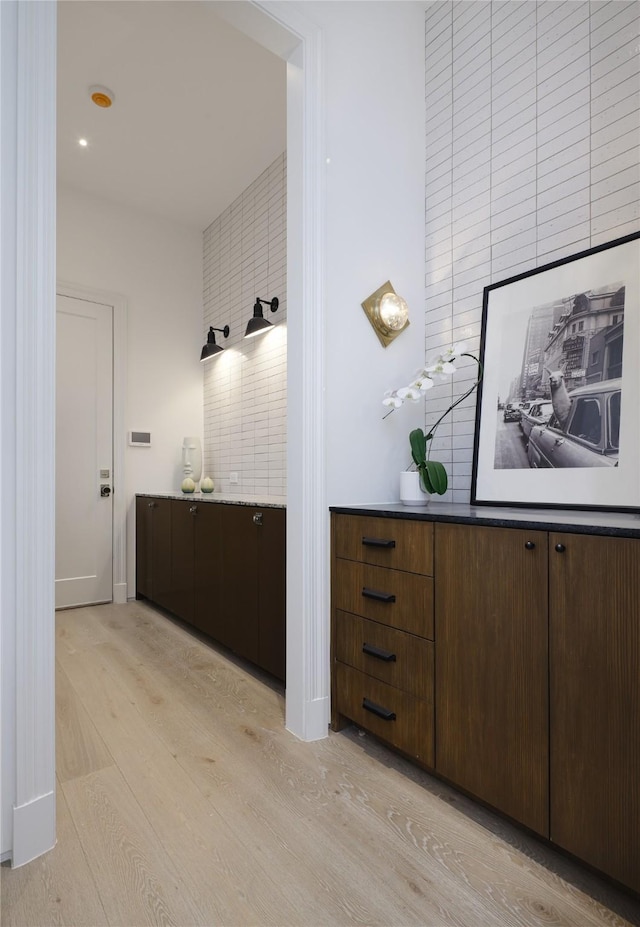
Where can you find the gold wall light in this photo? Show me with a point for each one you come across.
(387, 312)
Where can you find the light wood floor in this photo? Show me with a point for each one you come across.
(183, 800)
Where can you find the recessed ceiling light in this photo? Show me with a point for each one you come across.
(83, 142)
(102, 96)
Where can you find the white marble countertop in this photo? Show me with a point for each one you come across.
(276, 502)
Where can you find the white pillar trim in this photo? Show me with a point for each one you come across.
(119, 306)
(308, 623)
(34, 440)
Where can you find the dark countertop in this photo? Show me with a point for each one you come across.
(597, 521)
(272, 502)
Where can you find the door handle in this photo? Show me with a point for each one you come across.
(105, 489)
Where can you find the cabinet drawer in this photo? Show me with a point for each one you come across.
(400, 600)
(389, 542)
(395, 657)
(409, 723)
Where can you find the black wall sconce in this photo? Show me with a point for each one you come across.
(258, 325)
(210, 349)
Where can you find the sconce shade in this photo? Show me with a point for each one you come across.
(211, 349)
(387, 312)
(258, 325)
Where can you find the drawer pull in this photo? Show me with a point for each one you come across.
(378, 710)
(378, 542)
(379, 596)
(380, 654)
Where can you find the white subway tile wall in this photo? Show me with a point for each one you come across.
(245, 388)
(532, 154)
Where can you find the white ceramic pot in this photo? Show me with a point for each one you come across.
(411, 491)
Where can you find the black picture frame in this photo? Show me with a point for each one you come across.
(560, 346)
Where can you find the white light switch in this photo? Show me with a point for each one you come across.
(233, 477)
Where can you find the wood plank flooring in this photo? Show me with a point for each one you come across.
(182, 800)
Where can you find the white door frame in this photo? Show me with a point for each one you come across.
(119, 306)
(27, 410)
(281, 27)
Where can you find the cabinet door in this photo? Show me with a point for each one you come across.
(491, 667)
(183, 515)
(161, 553)
(240, 579)
(144, 508)
(595, 701)
(272, 581)
(208, 576)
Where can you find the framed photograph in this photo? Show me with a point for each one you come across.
(558, 414)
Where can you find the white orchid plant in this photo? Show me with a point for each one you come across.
(433, 476)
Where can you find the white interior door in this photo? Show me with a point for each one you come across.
(84, 452)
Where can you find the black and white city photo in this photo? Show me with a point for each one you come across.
(560, 345)
(559, 399)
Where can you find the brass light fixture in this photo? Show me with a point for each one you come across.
(211, 349)
(387, 312)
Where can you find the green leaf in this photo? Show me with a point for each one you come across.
(418, 444)
(434, 477)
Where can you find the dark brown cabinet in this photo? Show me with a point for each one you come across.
(530, 672)
(595, 701)
(492, 710)
(153, 550)
(382, 630)
(254, 570)
(219, 567)
(208, 578)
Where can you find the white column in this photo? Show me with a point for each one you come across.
(28, 456)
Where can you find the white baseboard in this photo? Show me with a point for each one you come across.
(120, 593)
(34, 829)
(314, 721)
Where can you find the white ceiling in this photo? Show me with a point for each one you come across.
(199, 111)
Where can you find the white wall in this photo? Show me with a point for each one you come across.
(374, 231)
(157, 266)
(245, 388)
(532, 154)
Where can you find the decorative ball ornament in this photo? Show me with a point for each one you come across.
(206, 485)
(188, 485)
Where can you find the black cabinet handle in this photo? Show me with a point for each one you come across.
(378, 653)
(560, 548)
(378, 710)
(378, 542)
(530, 545)
(194, 510)
(379, 596)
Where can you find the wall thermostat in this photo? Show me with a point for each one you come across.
(140, 438)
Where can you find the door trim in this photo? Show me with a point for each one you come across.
(119, 307)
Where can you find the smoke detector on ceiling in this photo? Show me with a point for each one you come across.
(102, 96)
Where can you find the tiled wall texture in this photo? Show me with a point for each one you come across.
(245, 388)
(532, 154)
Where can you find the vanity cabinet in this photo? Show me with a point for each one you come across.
(219, 567)
(535, 642)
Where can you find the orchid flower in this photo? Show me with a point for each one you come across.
(433, 476)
